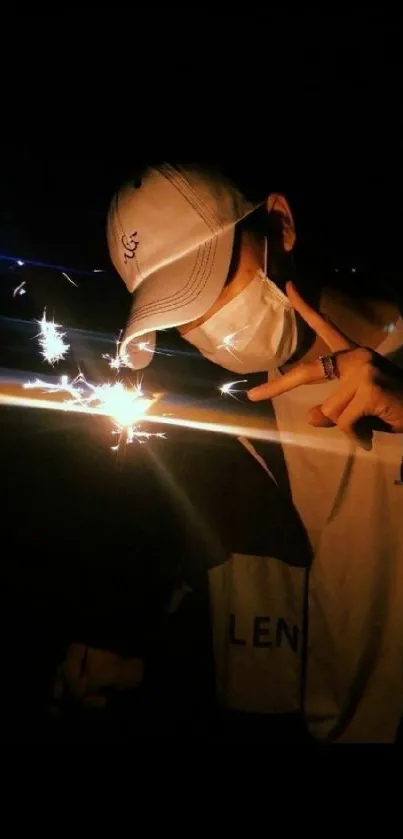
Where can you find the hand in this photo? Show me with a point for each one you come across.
(88, 675)
(370, 385)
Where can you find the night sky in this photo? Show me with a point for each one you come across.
(307, 103)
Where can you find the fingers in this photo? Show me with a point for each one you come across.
(344, 408)
(325, 329)
(308, 373)
(317, 418)
(88, 674)
(301, 374)
(328, 413)
(348, 420)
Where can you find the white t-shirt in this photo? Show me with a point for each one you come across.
(352, 506)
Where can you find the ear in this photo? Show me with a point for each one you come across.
(278, 204)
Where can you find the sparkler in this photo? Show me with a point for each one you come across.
(125, 406)
(172, 414)
(140, 436)
(53, 347)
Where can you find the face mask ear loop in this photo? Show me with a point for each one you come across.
(265, 255)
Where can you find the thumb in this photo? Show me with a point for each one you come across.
(317, 418)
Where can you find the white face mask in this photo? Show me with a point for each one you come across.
(254, 332)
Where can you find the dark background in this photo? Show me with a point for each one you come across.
(306, 103)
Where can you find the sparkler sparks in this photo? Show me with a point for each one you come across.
(125, 406)
(140, 436)
(144, 346)
(20, 289)
(122, 359)
(118, 360)
(53, 347)
(69, 279)
(180, 415)
(229, 389)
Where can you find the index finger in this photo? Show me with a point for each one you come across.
(301, 374)
(325, 329)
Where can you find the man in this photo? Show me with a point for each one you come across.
(198, 256)
(196, 506)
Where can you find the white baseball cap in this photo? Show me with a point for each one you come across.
(170, 237)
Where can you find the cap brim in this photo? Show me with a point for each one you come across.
(178, 293)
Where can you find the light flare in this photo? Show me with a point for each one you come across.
(144, 346)
(125, 406)
(182, 414)
(230, 389)
(229, 344)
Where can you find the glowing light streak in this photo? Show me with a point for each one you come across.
(229, 389)
(69, 279)
(20, 289)
(125, 406)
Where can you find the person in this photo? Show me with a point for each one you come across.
(371, 386)
(198, 256)
(142, 659)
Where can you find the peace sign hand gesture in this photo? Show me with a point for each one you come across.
(370, 385)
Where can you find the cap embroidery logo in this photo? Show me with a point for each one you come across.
(130, 245)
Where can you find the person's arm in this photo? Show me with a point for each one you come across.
(370, 389)
(173, 670)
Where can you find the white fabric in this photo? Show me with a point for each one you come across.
(352, 507)
(268, 339)
(251, 449)
(170, 237)
(257, 610)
